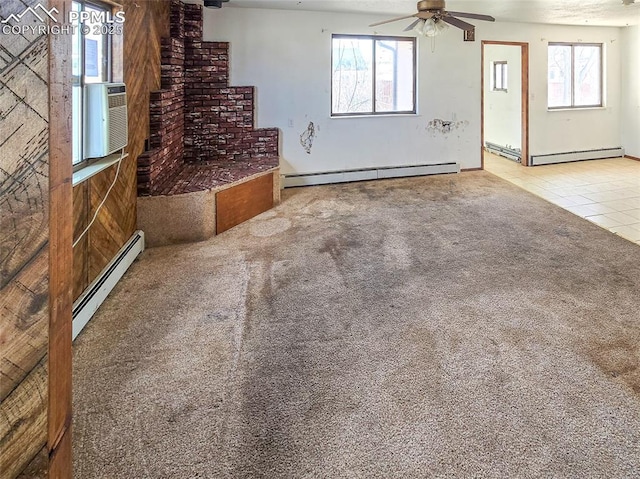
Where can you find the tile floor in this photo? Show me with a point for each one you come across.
(606, 192)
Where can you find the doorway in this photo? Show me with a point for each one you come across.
(505, 101)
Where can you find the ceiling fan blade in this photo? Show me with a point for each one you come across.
(393, 20)
(456, 22)
(410, 27)
(486, 18)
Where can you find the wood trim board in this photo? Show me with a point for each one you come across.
(61, 252)
(240, 203)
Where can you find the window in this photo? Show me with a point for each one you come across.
(499, 76)
(575, 75)
(373, 75)
(91, 63)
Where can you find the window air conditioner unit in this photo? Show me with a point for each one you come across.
(105, 119)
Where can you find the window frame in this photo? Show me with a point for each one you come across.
(573, 45)
(501, 67)
(374, 39)
(81, 80)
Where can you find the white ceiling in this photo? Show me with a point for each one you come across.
(566, 12)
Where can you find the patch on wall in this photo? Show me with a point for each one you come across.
(307, 137)
(444, 127)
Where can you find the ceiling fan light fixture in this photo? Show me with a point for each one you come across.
(419, 28)
(433, 18)
(431, 27)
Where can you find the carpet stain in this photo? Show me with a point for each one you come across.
(337, 246)
(328, 208)
(619, 359)
(375, 192)
(270, 227)
(564, 232)
(428, 327)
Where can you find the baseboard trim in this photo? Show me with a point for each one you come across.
(89, 301)
(367, 174)
(464, 170)
(505, 151)
(569, 156)
(634, 158)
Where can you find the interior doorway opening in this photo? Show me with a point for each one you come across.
(505, 101)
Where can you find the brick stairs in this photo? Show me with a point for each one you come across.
(207, 168)
(202, 129)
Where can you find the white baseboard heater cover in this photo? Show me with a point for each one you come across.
(577, 156)
(514, 154)
(346, 176)
(89, 302)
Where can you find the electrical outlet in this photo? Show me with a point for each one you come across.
(290, 122)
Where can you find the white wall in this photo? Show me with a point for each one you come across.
(630, 41)
(286, 54)
(565, 130)
(503, 110)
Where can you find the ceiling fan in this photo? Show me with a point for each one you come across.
(431, 14)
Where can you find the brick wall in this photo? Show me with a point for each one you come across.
(166, 122)
(197, 118)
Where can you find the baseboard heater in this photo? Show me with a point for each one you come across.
(89, 302)
(365, 174)
(577, 156)
(514, 154)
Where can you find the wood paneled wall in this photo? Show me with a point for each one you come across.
(36, 218)
(146, 23)
(24, 251)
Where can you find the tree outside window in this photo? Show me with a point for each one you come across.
(373, 75)
(574, 75)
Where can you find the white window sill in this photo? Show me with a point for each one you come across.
(83, 174)
(382, 115)
(579, 108)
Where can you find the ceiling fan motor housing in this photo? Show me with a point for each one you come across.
(431, 5)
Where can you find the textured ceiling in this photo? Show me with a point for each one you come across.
(566, 12)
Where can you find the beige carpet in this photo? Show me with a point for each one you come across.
(450, 326)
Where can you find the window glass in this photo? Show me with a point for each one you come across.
(505, 78)
(352, 75)
(559, 75)
(96, 44)
(394, 76)
(500, 76)
(90, 63)
(587, 75)
(372, 75)
(574, 75)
